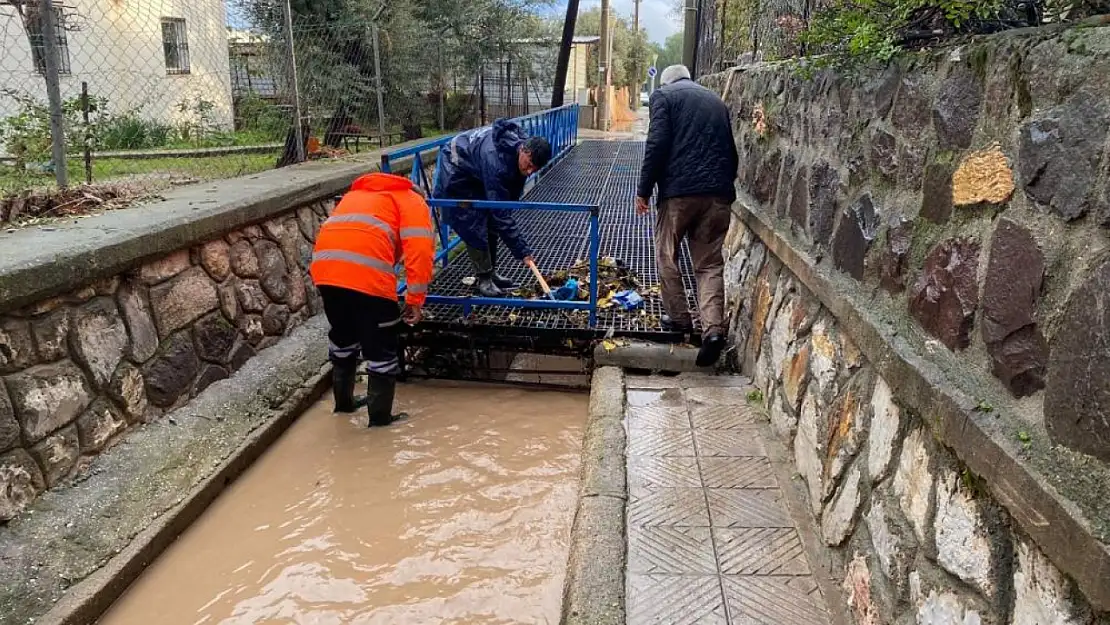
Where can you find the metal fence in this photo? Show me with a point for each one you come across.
(729, 31)
(140, 96)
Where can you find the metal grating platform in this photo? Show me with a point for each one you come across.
(601, 172)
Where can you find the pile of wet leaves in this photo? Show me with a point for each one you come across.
(614, 277)
(43, 206)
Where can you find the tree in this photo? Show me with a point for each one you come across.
(670, 53)
(335, 53)
(628, 47)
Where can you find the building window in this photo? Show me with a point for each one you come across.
(35, 28)
(176, 46)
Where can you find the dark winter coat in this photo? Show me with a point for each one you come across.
(690, 149)
(481, 164)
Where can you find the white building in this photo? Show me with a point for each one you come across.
(164, 60)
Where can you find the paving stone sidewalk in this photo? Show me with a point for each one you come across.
(710, 539)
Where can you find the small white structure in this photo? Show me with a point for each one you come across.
(163, 60)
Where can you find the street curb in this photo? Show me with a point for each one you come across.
(650, 356)
(88, 600)
(594, 590)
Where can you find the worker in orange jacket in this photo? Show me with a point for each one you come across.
(380, 222)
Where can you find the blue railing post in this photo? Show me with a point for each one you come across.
(595, 250)
(560, 127)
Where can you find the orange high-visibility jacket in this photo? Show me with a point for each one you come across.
(379, 222)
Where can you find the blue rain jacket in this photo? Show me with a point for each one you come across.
(481, 164)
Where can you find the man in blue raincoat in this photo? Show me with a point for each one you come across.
(489, 163)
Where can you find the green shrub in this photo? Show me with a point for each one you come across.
(131, 132)
(257, 117)
(852, 32)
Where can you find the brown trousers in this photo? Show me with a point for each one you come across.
(704, 221)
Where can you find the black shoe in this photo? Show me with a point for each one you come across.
(487, 288)
(502, 282)
(669, 325)
(343, 388)
(711, 348)
(380, 402)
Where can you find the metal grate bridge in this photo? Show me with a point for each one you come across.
(598, 175)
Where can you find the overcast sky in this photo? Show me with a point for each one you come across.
(655, 16)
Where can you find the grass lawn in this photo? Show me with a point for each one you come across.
(110, 169)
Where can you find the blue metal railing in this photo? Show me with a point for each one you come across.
(560, 127)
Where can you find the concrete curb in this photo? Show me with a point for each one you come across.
(594, 589)
(650, 356)
(89, 599)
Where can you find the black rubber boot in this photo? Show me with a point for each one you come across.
(486, 286)
(499, 280)
(343, 387)
(380, 401)
(669, 325)
(711, 348)
(502, 282)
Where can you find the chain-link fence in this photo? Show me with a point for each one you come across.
(139, 96)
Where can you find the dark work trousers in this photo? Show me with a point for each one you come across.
(485, 261)
(361, 322)
(704, 222)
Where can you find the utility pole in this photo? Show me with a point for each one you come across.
(564, 54)
(298, 121)
(636, 69)
(605, 68)
(442, 89)
(49, 22)
(690, 35)
(378, 79)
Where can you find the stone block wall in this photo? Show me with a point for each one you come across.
(917, 279)
(969, 190)
(78, 370)
(915, 533)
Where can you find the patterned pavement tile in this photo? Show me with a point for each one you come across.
(774, 600)
(671, 551)
(723, 417)
(657, 417)
(673, 600)
(689, 380)
(760, 551)
(750, 472)
(729, 443)
(663, 472)
(683, 507)
(653, 442)
(718, 396)
(656, 397)
(744, 507)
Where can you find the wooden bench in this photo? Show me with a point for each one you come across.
(381, 139)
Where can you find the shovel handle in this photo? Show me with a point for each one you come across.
(539, 276)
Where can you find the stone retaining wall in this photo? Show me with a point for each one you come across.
(106, 324)
(916, 532)
(917, 277)
(81, 368)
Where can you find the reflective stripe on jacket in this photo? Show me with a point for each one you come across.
(380, 222)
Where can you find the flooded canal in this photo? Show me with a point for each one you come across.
(460, 515)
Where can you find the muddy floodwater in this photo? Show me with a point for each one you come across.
(460, 515)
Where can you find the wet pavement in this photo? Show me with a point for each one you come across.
(710, 536)
(460, 515)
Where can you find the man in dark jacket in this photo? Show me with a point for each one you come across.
(691, 157)
(489, 163)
